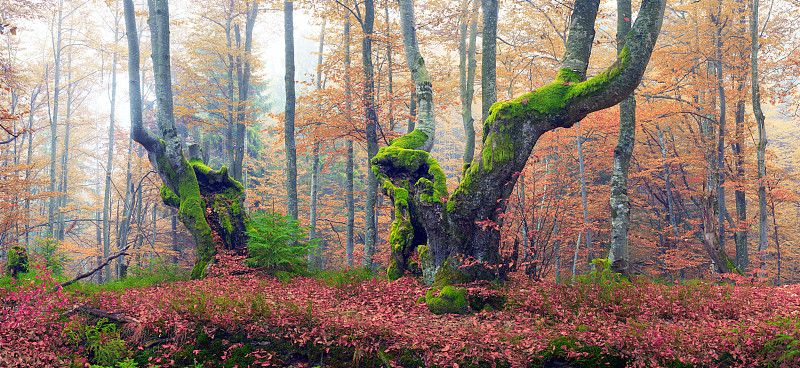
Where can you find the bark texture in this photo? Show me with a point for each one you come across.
(456, 236)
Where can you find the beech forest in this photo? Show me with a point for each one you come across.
(399, 183)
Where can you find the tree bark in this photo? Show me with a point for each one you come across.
(618, 255)
(457, 236)
(288, 133)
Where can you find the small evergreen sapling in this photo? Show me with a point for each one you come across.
(277, 242)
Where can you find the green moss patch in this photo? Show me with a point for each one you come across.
(448, 300)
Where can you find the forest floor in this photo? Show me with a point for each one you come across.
(357, 319)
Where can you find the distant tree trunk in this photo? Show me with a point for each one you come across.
(466, 69)
(584, 204)
(720, 169)
(457, 236)
(673, 221)
(209, 202)
(762, 139)
(288, 133)
(109, 167)
(489, 57)
(371, 130)
(54, 124)
(350, 159)
(127, 208)
(63, 186)
(618, 255)
(243, 74)
(740, 236)
(389, 67)
(315, 164)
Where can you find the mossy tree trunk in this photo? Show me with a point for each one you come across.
(208, 201)
(457, 236)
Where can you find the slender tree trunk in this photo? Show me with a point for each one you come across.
(489, 57)
(389, 68)
(127, 208)
(762, 139)
(585, 206)
(371, 131)
(720, 169)
(466, 69)
(65, 156)
(315, 164)
(288, 133)
(349, 247)
(618, 255)
(109, 166)
(54, 124)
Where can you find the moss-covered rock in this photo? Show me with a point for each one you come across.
(448, 299)
(17, 261)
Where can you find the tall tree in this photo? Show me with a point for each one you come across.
(288, 132)
(349, 247)
(315, 164)
(457, 236)
(762, 138)
(109, 160)
(618, 255)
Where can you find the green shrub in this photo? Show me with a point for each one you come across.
(278, 243)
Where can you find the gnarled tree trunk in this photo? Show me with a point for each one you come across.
(457, 236)
(209, 202)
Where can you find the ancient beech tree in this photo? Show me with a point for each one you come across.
(456, 236)
(208, 201)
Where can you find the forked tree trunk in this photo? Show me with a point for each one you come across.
(457, 236)
(209, 202)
